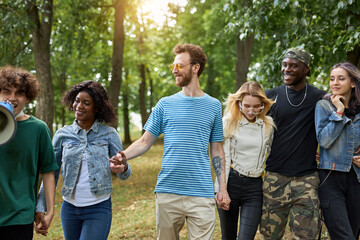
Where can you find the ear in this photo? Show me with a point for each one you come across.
(196, 68)
(307, 70)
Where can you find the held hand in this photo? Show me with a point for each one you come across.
(338, 101)
(42, 223)
(118, 163)
(317, 157)
(357, 150)
(223, 200)
(356, 159)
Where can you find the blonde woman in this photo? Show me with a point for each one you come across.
(248, 136)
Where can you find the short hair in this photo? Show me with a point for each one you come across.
(197, 54)
(21, 79)
(105, 111)
(354, 75)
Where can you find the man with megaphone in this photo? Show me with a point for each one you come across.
(24, 155)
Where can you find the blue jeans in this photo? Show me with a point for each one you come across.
(86, 223)
(244, 192)
(339, 196)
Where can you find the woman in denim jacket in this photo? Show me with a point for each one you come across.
(248, 136)
(337, 122)
(82, 151)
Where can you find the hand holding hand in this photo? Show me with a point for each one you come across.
(42, 223)
(356, 159)
(118, 163)
(223, 200)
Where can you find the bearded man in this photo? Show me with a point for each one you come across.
(189, 120)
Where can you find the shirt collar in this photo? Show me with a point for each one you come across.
(77, 128)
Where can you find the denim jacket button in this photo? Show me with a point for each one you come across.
(93, 165)
(94, 179)
(90, 153)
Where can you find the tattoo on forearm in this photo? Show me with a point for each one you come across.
(216, 161)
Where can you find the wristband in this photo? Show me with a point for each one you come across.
(340, 113)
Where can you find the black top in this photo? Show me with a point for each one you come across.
(294, 146)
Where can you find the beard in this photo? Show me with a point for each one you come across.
(186, 79)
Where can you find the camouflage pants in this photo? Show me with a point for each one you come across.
(295, 198)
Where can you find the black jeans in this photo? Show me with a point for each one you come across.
(17, 232)
(339, 196)
(245, 192)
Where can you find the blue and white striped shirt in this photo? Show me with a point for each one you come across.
(188, 124)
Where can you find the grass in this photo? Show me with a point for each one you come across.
(133, 203)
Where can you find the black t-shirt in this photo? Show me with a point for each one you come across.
(294, 146)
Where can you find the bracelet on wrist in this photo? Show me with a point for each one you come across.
(340, 113)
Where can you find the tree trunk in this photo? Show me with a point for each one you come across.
(142, 86)
(151, 89)
(62, 85)
(354, 56)
(41, 46)
(243, 57)
(127, 138)
(142, 96)
(117, 58)
(210, 84)
(125, 99)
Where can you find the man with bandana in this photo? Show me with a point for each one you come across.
(291, 181)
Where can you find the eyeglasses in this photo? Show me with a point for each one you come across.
(256, 110)
(178, 66)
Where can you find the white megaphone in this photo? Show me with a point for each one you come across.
(8, 123)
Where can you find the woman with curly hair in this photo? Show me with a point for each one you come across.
(337, 123)
(82, 151)
(248, 136)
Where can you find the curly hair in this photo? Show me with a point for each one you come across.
(20, 79)
(105, 111)
(197, 55)
(232, 113)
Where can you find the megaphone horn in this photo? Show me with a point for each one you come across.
(8, 123)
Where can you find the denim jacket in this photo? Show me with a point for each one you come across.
(338, 137)
(99, 143)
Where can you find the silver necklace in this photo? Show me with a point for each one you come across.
(287, 96)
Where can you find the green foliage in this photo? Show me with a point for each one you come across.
(321, 28)
(82, 35)
(15, 34)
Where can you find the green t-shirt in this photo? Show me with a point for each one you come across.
(29, 153)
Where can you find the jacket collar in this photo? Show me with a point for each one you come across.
(244, 121)
(77, 128)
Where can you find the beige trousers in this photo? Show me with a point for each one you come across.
(172, 210)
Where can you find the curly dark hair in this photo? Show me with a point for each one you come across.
(21, 79)
(197, 54)
(105, 111)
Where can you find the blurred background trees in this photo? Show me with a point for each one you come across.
(127, 46)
